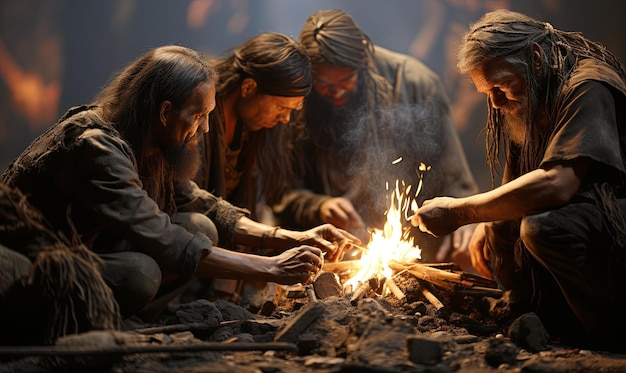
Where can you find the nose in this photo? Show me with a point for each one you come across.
(284, 117)
(338, 93)
(204, 125)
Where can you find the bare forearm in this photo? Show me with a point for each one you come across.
(258, 235)
(222, 263)
(537, 190)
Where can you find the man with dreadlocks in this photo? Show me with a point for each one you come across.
(369, 108)
(555, 229)
(108, 172)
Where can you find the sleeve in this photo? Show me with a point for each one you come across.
(191, 198)
(586, 127)
(299, 209)
(105, 181)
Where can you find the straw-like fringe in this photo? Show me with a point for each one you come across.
(67, 271)
(80, 299)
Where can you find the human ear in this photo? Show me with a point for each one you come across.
(537, 58)
(248, 87)
(164, 112)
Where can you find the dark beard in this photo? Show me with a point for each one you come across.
(183, 160)
(334, 127)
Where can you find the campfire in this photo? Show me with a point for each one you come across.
(391, 253)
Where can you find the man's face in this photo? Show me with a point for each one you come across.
(183, 129)
(506, 89)
(333, 83)
(259, 110)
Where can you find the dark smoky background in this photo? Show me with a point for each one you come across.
(55, 54)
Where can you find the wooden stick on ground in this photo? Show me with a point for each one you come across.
(431, 298)
(359, 292)
(15, 351)
(391, 284)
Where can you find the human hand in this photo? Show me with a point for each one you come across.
(479, 251)
(296, 265)
(328, 238)
(340, 212)
(436, 216)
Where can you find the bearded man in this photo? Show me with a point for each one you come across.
(555, 229)
(107, 173)
(372, 118)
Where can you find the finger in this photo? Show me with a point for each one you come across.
(337, 213)
(415, 220)
(479, 263)
(312, 255)
(342, 234)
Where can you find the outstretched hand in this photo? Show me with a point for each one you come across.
(340, 212)
(326, 237)
(436, 217)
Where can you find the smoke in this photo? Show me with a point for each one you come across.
(368, 150)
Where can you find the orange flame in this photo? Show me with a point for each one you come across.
(393, 241)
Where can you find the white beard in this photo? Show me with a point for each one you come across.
(514, 127)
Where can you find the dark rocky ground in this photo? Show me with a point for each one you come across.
(333, 333)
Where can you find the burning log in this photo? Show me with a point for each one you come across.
(453, 281)
(341, 267)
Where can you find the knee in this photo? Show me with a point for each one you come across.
(134, 277)
(536, 232)
(196, 222)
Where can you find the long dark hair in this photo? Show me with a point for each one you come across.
(131, 104)
(280, 67)
(508, 35)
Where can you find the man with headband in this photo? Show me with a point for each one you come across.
(261, 83)
(373, 116)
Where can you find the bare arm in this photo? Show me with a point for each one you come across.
(292, 266)
(547, 187)
(257, 235)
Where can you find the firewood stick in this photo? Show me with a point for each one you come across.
(177, 328)
(440, 277)
(359, 292)
(338, 267)
(431, 298)
(482, 291)
(310, 292)
(391, 284)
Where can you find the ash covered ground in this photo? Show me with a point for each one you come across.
(310, 329)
